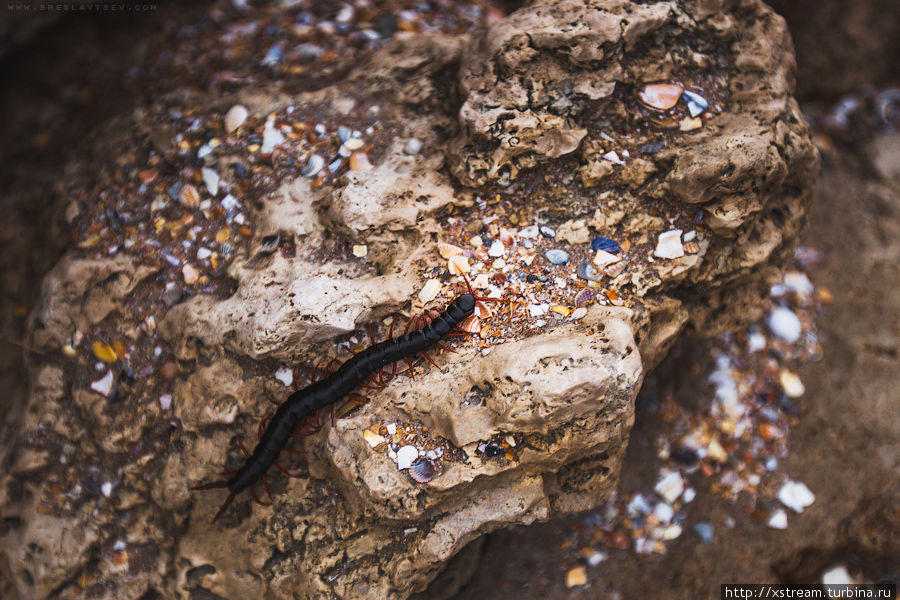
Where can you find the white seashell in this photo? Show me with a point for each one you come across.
(235, 117)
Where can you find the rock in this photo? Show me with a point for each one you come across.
(532, 88)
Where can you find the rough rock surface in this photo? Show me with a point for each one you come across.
(96, 498)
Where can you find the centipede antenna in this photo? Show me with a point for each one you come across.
(209, 486)
(224, 506)
(445, 348)
(468, 285)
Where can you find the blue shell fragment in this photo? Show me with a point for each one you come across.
(605, 244)
(695, 102)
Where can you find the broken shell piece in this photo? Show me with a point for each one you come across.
(405, 456)
(695, 102)
(471, 324)
(459, 264)
(690, 124)
(430, 291)
(372, 438)
(481, 310)
(422, 470)
(103, 385)
(603, 258)
(669, 245)
(661, 96)
(189, 196)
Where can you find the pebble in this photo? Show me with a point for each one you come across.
(605, 244)
(271, 137)
(576, 576)
(690, 124)
(497, 249)
(603, 259)
(661, 96)
(778, 519)
(391, 428)
(557, 257)
(795, 495)
(104, 352)
(669, 245)
(103, 385)
(235, 117)
(165, 401)
(413, 146)
(696, 103)
(191, 275)
(785, 324)
(359, 161)
(664, 512)
(405, 456)
(529, 233)
(547, 232)
(705, 531)
(360, 250)
(273, 56)
(689, 495)
(756, 341)
(670, 486)
(344, 133)
(536, 310)
(579, 313)
(335, 165)
(211, 179)
(791, 383)
(799, 283)
(106, 488)
(430, 291)
(285, 376)
(315, 164)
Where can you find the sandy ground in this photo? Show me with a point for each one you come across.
(845, 444)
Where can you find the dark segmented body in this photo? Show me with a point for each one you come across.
(322, 394)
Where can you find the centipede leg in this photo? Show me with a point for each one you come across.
(429, 359)
(358, 399)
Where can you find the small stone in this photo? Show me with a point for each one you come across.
(104, 385)
(430, 291)
(529, 233)
(594, 558)
(285, 376)
(670, 486)
(557, 257)
(497, 249)
(203, 253)
(664, 512)
(359, 161)
(578, 313)
(690, 124)
(459, 264)
(165, 401)
(576, 576)
(695, 102)
(778, 519)
(405, 456)
(705, 531)
(791, 383)
(795, 495)
(104, 352)
(413, 146)
(360, 250)
(191, 275)
(106, 489)
(235, 117)
(536, 310)
(785, 324)
(603, 259)
(344, 133)
(689, 495)
(372, 438)
(315, 164)
(661, 96)
(671, 532)
(547, 232)
(391, 428)
(669, 245)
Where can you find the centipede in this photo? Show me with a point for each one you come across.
(298, 415)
